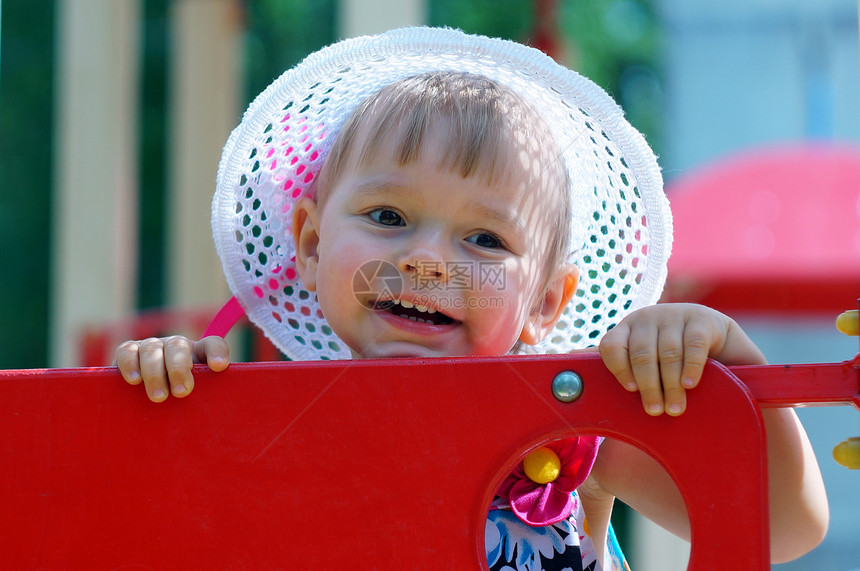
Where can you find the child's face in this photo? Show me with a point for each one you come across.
(473, 251)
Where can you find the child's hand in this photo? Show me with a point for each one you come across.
(164, 365)
(661, 350)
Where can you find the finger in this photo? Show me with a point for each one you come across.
(696, 351)
(670, 346)
(128, 361)
(645, 367)
(213, 351)
(178, 361)
(152, 369)
(614, 353)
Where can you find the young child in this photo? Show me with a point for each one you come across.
(427, 193)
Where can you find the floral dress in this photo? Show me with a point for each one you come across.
(513, 545)
(537, 522)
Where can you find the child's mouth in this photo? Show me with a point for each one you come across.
(412, 312)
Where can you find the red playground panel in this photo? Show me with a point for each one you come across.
(374, 464)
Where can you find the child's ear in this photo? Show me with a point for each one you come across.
(306, 238)
(548, 308)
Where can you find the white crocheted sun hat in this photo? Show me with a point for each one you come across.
(622, 228)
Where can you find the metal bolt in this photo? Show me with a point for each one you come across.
(567, 386)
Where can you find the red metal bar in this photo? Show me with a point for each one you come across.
(803, 385)
(310, 465)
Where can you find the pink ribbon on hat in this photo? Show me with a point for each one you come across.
(540, 504)
(225, 319)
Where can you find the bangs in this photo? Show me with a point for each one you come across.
(476, 111)
(471, 108)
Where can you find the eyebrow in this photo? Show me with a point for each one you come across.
(383, 188)
(511, 223)
(375, 187)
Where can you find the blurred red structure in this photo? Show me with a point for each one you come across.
(97, 344)
(545, 36)
(770, 230)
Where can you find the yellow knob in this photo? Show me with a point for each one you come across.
(848, 323)
(542, 466)
(847, 453)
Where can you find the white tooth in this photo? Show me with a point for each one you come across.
(431, 310)
(421, 308)
(421, 320)
(406, 304)
(413, 318)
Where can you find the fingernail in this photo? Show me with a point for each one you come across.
(674, 409)
(655, 409)
(179, 389)
(688, 383)
(631, 386)
(158, 394)
(133, 377)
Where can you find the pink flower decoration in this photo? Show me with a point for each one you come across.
(541, 504)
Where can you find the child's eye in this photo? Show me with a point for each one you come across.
(386, 217)
(485, 240)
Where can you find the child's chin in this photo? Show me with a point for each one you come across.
(402, 351)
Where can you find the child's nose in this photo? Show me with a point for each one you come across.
(425, 261)
(431, 269)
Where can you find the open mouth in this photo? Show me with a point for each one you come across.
(413, 311)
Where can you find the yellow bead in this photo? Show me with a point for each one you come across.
(542, 466)
(847, 453)
(848, 322)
